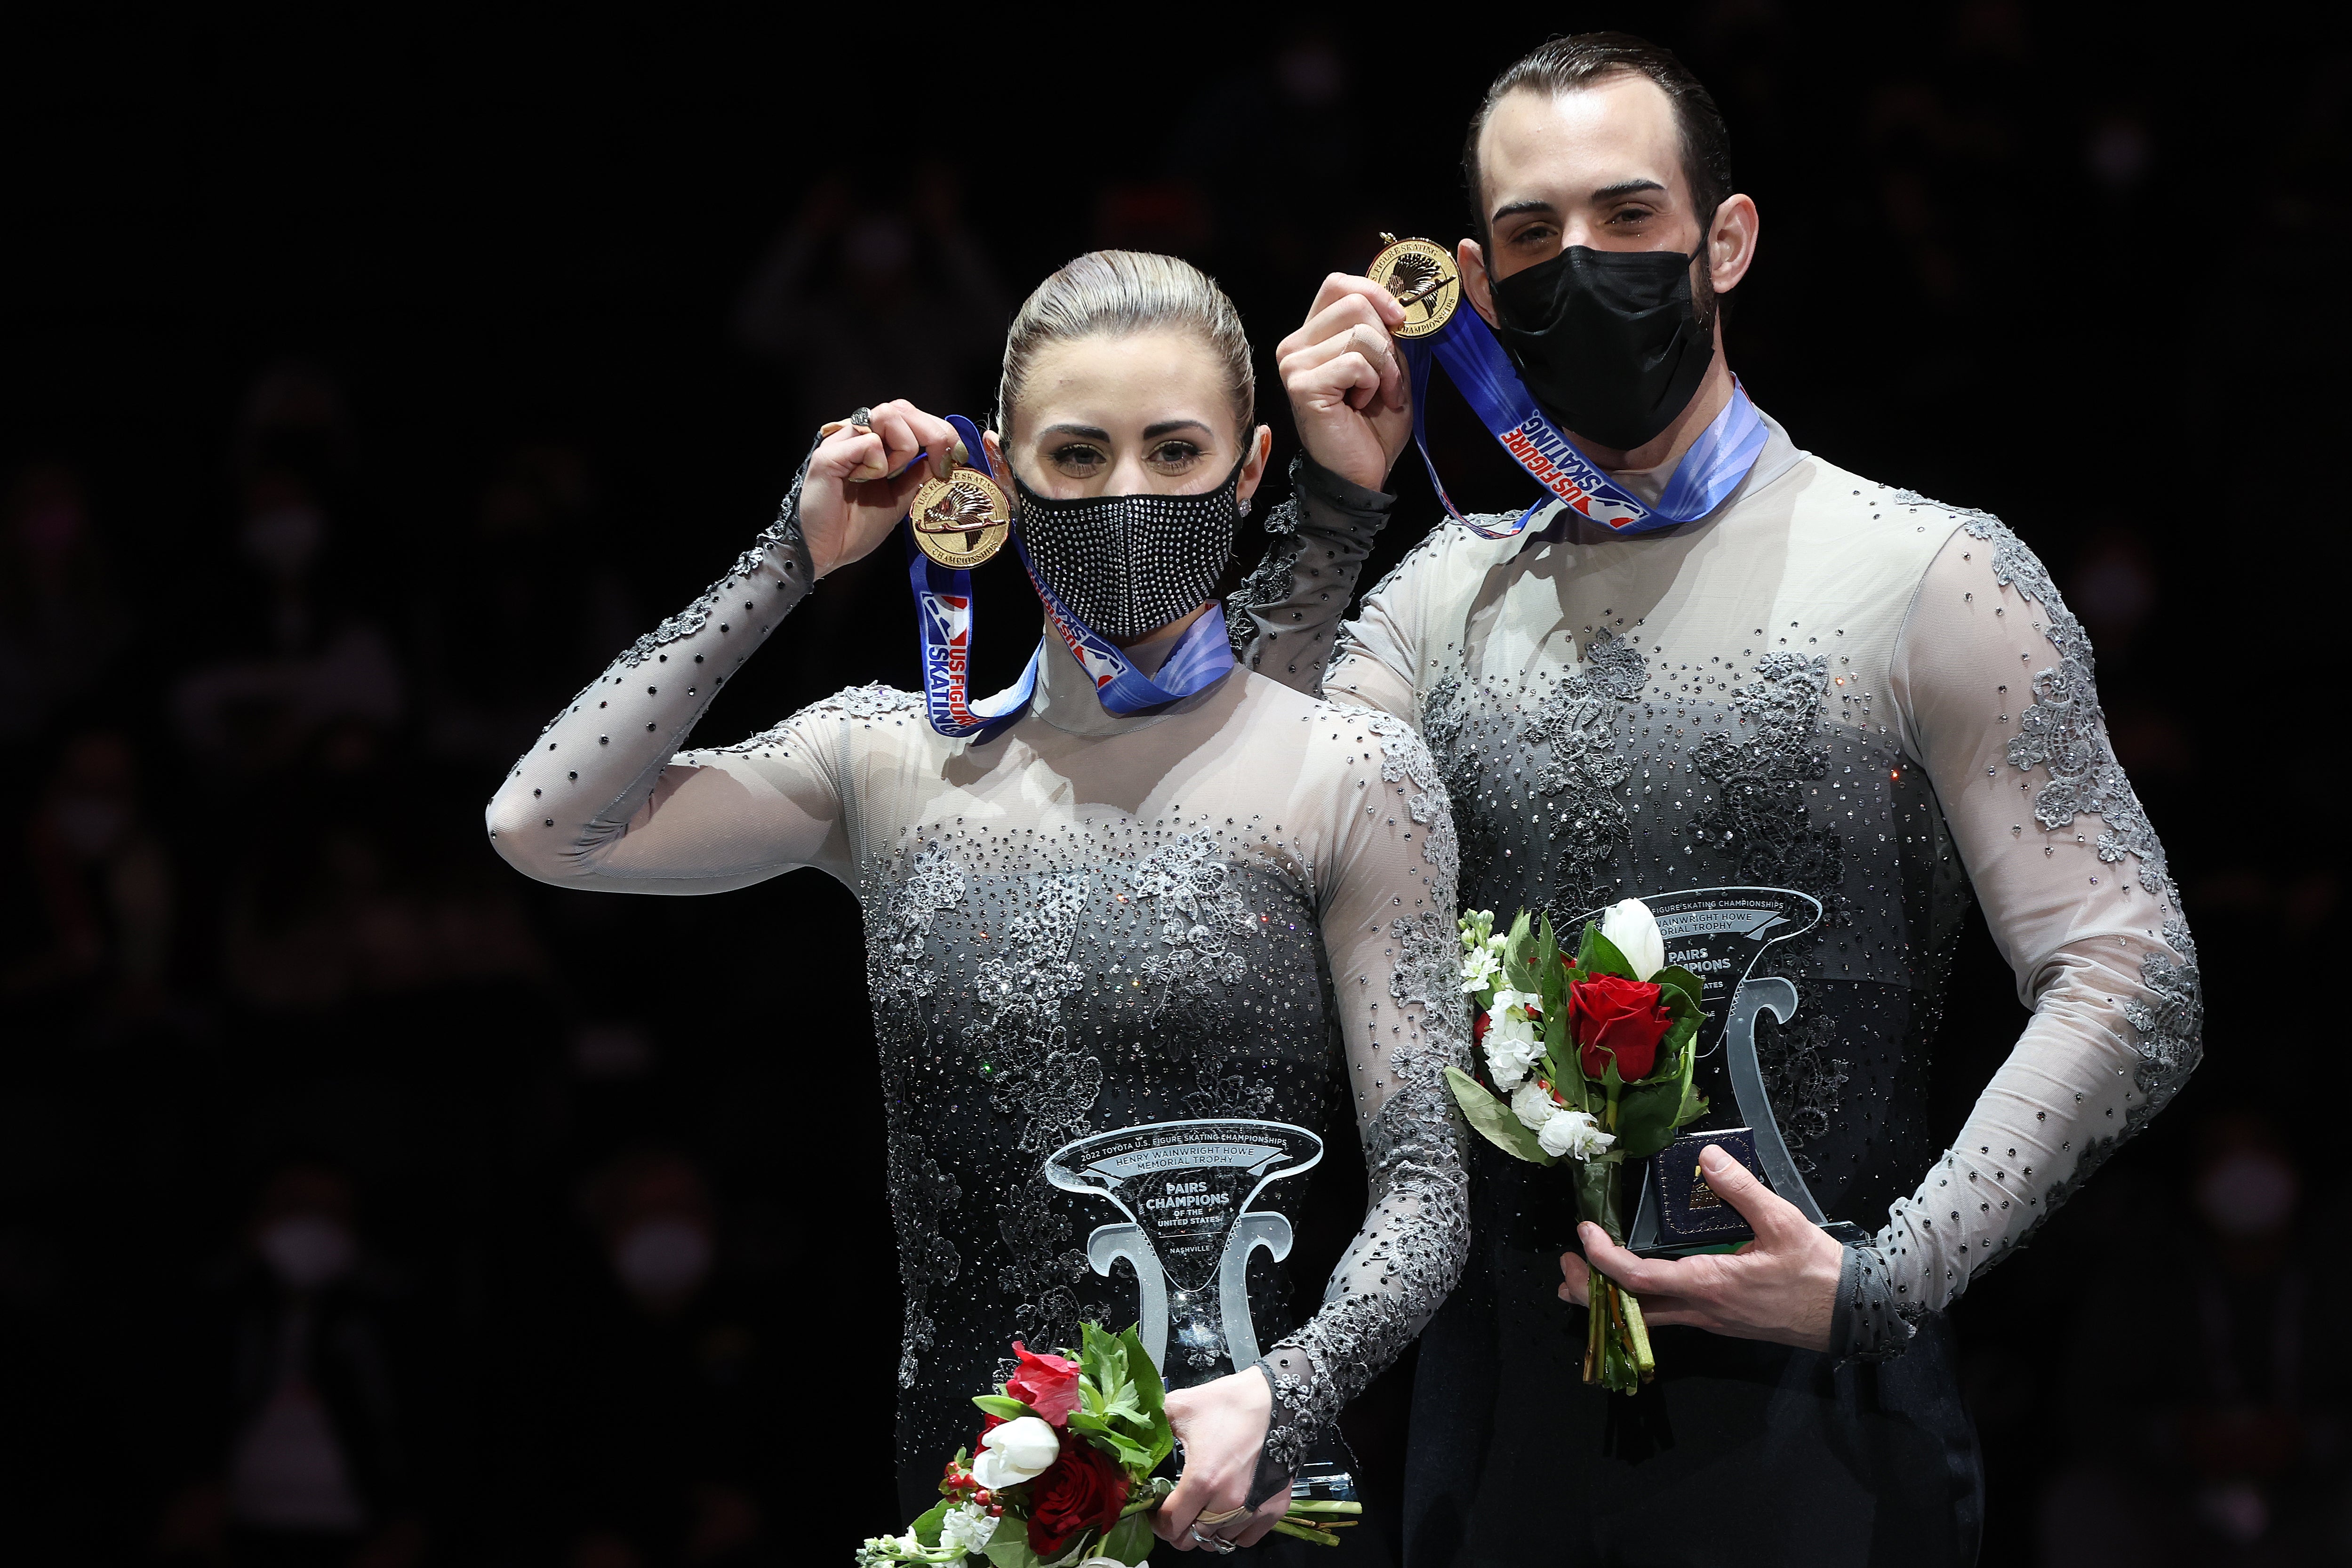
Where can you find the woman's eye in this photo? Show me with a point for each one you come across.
(1077, 460)
(1174, 453)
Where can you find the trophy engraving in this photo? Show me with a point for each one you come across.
(1186, 1187)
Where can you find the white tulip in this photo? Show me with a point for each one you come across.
(1573, 1133)
(1533, 1105)
(1634, 929)
(1022, 1449)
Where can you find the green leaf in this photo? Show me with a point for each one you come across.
(1493, 1119)
(1674, 979)
(1129, 1540)
(1518, 958)
(1600, 954)
(1009, 1547)
(1693, 1104)
(927, 1529)
(1563, 1066)
(998, 1405)
(1645, 1117)
(1151, 1394)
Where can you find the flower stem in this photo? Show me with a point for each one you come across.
(1304, 1532)
(1640, 1330)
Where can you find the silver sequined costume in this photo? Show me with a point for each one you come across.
(1829, 686)
(1241, 905)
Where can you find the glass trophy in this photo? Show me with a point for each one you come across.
(1721, 934)
(1186, 1189)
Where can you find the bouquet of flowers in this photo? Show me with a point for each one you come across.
(1590, 1058)
(1063, 1477)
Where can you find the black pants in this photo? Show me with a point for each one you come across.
(1740, 1453)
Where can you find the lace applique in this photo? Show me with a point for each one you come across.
(1405, 756)
(1044, 1268)
(1034, 1073)
(1270, 582)
(2064, 732)
(921, 1195)
(1577, 726)
(1200, 911)
(1802, 1079)
(866, 702)
(781, 538)
(934, 882)
(1759, 815)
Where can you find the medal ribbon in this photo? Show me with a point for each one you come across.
(944, 614)
(1478, 365)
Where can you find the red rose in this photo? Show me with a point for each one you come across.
(1084, 1490)
(1609, 1013)
(1478, 1028)
(1046, 1383)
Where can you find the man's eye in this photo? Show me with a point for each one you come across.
(1534, 234)
(1630, 215)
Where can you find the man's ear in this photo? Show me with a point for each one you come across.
(1731, 242)
(1254, 470)
(1471, 257)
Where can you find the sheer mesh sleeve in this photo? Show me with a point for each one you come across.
(1388, 928)
(1992, 680)
(1285, 617)
(605, 799)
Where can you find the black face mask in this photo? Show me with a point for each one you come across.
(1127, 564)
(1608, 341)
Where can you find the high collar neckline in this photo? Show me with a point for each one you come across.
(1066, 695)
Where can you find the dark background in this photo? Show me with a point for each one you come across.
(525, 327)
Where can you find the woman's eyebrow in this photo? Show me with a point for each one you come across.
(1088, 431)
(1169, 427)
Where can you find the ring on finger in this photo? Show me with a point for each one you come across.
(1216, 1543)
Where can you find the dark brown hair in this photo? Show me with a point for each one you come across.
(1564, 65)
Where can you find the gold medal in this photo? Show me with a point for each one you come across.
(1422, 276)
(962, 520)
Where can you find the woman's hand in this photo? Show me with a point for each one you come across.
(1780, 1287)
(1223, 1426)
(850, 501)
(1349, 392)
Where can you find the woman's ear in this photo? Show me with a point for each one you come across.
(995, 447)
(1261, 448)
(1477, 287)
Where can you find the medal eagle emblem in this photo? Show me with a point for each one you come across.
(1423, 277)
(960, 521)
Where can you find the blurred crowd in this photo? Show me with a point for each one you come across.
(362, 1204)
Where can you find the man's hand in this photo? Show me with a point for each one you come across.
(1780, 1287)
(1223, 1426)
(854, 493)
(1349, 392)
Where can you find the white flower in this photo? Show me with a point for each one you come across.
(1021, 1450)
(1573, 1133)
(1533, 1105)
(1105, 1563)
(966, 1529)
(1511, 1049)
(1506, 999)
(1630, 925)
(1479, 968)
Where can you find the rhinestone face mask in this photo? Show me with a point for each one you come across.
(1127, 564)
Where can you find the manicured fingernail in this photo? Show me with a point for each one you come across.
(1715, 1160)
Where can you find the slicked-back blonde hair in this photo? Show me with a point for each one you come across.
(1116, 293)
